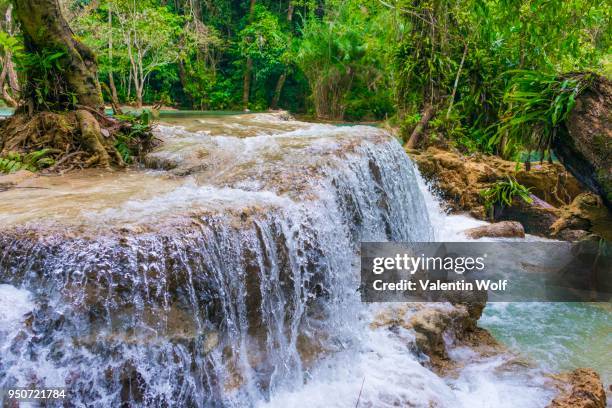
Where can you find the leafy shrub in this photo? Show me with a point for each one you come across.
(129, 142)
(33, 161)
(537, 104)
(503, 193)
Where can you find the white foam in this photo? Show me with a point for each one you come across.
(381, 368)
(14, 304)
(447, 227)
(384, 373)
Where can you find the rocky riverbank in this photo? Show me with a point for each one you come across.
(561, 208)
(443, 330)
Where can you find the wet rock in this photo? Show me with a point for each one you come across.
(439, 326)
(460, 178)
(581, 388)
(586, 213)
(430, 326)
(573, 235)
(211, 341)
(311, 348)
(284, 115)
(536, 217)
(503, 229)
(473, 301)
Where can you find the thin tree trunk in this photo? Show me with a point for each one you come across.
(12, 74)
(246, 83)
(422, 125)
(138, 97)
(283, 77)
(278, 90)
(111, 79)
(452, 98)
(13, 80)
(44, 29)
(113, 89)
(183, 78)
(142, 81)
(5, 94)
(129, 85)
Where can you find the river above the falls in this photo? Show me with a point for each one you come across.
(225, 273)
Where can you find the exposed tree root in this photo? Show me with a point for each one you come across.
(76, 139)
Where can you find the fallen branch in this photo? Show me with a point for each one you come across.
(64, 159)
(420, 127)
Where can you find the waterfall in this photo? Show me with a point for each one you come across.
(225, 288)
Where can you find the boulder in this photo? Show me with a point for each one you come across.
(429, 326)
(536, 217)
(581, 388)
(587, 213)
(585, 145)
(572, 235)
(437, 326)
(503, 229)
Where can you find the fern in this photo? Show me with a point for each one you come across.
(139, 132)
(537, 104)
(503, 193)
(32, 161)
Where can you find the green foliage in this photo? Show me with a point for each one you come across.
(139, 134)
(537, 104)
(339, 54)
(503, 193)
(263, 40)
(477, 51)
(45, 79)
(346, 59)
(9, 43)
(32, 161)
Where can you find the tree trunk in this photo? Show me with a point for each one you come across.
(6, 96)
(12, 75)
(246, 83)
(111, 79)
(279, 89)
(113, 89)
(13, 80)
(63, 109)
(139, 97)
(452, 97)
(182, 73)
(46, 33)
(283, 77)
(416, 133)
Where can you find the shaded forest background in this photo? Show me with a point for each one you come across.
(495, 76)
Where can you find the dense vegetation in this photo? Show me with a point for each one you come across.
(489, 75)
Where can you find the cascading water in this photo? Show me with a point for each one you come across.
(228, 277)
(222, 287)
